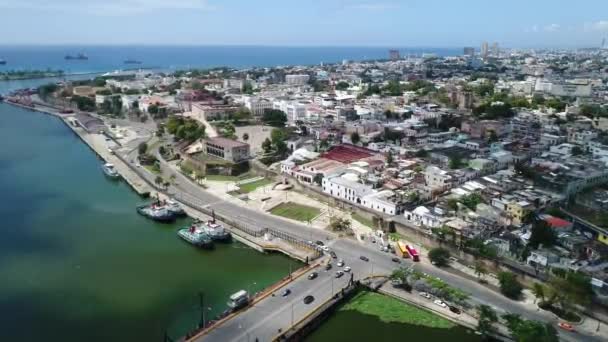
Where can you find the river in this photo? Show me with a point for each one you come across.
(77, 263)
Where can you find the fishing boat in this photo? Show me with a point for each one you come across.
(156, 212)
(110, 171)
(132, 61)
(2, 61)
(80, 56)
(195, 236)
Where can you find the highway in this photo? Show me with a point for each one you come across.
(349, 250)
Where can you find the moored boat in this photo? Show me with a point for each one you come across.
(175, 208)
(110, 171)
(216, 231)
(156, 212)
(195, 236)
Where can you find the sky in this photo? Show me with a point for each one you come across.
(396, 23)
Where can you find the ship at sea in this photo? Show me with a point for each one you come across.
(80, 56)
(195, 236)
(2, 61)
(132, 61)
(157, 211)
(110, 171)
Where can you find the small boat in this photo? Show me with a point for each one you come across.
(195, 236)
(216, 231)
(156, 212)
(175, 208)
(110, 171)
(2, 61)
(132, 61)
(80, 56)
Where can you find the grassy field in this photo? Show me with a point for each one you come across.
(223, 178)
(364, 221)
(152, 168)
(388, 309)
(295, 211)
(249, 187)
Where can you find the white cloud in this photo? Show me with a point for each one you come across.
(551, 28)
(601, 25)
(373, 7)
(106, 7)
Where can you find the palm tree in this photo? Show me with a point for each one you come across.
(539, 292)
(158, 180)
(480, 269)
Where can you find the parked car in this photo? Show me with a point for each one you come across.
(425, 295)
(339, 274)
(319, 243)
(440, 303)
(313, 275)
(347, 269)
(325, 248)
(566, 326)
(286, 292)
(364, 258)
(455, 309)
(396, 260)
(328, 267)
(333, 254)
(340, 263)
(308, 299)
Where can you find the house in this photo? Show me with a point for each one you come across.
(542, 257)
(422, 216)
(518, 210)
(346, 187)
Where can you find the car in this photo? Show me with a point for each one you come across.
(425, 295)
(328, 267)
(347, 269)
(333, 254)
(364, 258)
(455, 309)
(396, 260)
(313, 275)
(339, 274)
(340, 263)
(373, 240)
(566, 326)
(286, 292)
(319, 243)
(440, 303)
(325, 248)
(308, 299)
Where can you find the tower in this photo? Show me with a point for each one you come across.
(484, 50)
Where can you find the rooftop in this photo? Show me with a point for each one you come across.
(224, 142)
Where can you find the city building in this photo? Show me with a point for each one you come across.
(394, 55)
(227, 149)
(469, 51)
(297, 79)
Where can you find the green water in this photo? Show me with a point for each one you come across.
(76, 261)
(353, 325)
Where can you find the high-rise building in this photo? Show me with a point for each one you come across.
(495, 50)
(469, 51)
(484, 50)
(394, 55)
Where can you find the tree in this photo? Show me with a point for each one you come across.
(456, 162)
(342, 85)
(577, 151)
(492, 137)
(509, 285)
(471, 201)
(142, 148)
(486, 320)
(452, 204)
(274, 117)
(355, 138)
(318, 179)
(439, 256)
(159, 180)
(480, 269)
(539, 291)
(245, 137)
(529, 331)
(340, 225)
(267, 145)
(389, 158)
(542, 233)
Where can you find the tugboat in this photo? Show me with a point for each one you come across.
(110, 171)
(196, 236)
(157, 212)
(80, 56)
(216, 231)
(175, 208)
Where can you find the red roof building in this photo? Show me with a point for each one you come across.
(346, 153)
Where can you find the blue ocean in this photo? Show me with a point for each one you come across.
(108, 58)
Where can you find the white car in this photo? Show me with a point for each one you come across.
(340, 263)
(325, 248)
(425, 295)
(347, 269)
(440, 303)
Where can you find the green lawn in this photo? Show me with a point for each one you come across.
(364, 221)
(222, 178)
(249, 187)
(389, 309)
(152, 168)
(295, 211)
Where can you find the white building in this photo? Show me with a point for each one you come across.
(346, 187)
(437, 179)
(297, 79)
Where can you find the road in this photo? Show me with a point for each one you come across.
(349, 250)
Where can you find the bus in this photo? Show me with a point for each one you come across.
(401, 250)
(413, 253)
